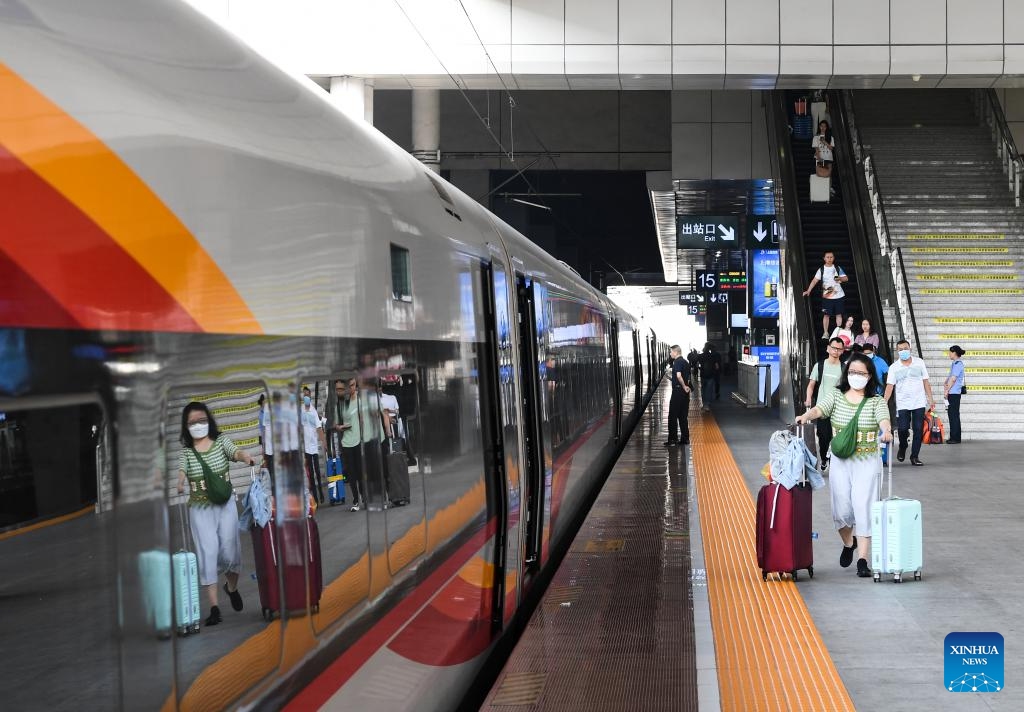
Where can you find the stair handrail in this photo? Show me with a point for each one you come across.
(906, 322)
(990, 111)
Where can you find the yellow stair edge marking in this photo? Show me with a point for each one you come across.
(954, 250)
(970, 290)
(769, 653)
(985, 337)
(978, 320)
(965, 277)
(972, 388)
(963, 263)
(954, 236)
(994, 369)
(991, 352)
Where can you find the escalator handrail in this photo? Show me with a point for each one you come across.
(780, 145)
(904, 302)
(857, 222)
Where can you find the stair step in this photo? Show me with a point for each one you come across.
(958, 250)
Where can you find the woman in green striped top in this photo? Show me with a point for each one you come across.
(853, 481)
(214, 526)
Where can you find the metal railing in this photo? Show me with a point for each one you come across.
(897, 286)
(990, 111)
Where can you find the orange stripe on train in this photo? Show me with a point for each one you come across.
(78, 165)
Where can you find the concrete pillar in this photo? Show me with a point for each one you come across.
(426, 127)
(354, 96)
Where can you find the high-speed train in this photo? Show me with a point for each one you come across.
(181, 221)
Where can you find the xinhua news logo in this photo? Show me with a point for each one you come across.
(974, 662)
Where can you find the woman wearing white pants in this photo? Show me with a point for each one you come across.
(853, 480)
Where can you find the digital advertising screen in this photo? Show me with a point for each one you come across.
(764, 284)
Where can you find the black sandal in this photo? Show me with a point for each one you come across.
(235, 596)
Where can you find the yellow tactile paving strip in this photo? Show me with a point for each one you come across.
(768, 651)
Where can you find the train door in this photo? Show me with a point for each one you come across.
(637, 368)
(534, 466)
(613, 337)
(499, 423)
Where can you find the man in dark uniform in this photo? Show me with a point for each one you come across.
(679, 405)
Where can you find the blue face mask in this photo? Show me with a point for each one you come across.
(307, 400)
(904, 354)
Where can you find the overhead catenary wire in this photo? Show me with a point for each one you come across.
(510, 154)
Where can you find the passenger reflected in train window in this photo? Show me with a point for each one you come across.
(213, 513)
(343, 421)
(266, 435)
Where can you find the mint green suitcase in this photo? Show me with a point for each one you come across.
(897, 541)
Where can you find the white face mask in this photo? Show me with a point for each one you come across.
(198, 431)
(858, 382)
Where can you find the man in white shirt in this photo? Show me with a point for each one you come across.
(908, 377)
(831, 277)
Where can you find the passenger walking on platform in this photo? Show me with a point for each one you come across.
(953, 389)
(908, 377)
(313, 440)
(821, 380)
(205, 455)
(867, 334)
(853, 480)
(679, 405)
(844, 332)
(831, 277)
(710, 375)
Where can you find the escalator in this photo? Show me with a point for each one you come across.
(844, 226)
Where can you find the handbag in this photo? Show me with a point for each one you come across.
(845, 443)
(218, 490)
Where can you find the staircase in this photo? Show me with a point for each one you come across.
(824, 228)
(951, 213)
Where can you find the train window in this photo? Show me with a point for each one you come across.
(58, 561)
(227, 546)
(401, 275)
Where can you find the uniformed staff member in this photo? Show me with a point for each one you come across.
(679, 405)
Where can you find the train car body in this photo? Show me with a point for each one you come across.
(179, 221)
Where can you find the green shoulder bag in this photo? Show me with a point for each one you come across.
(218, 489)
(845, 443)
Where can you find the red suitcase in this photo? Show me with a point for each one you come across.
(293, 549)
(784, 530)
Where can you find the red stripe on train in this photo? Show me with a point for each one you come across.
(83, 278)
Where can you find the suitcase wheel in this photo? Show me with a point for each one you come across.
(764, 575)
(268, 615)
(316, 608)
(810, 571)
(795, 575)
(917, 575)
(195, 627)
(877, 577)
(897, 578)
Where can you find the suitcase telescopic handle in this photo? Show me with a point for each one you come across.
(182, 516)
(888, 467)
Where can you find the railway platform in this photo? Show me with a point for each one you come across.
(659, 603)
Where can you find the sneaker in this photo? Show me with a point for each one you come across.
(355, 507)
(916, 461)
(846, 558)
(862, 568)
(670, 443)
(824, 334)
(236, 598)
(901, 454)
(825, 461)
(214, 618)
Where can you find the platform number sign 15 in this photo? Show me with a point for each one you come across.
(707, 280)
